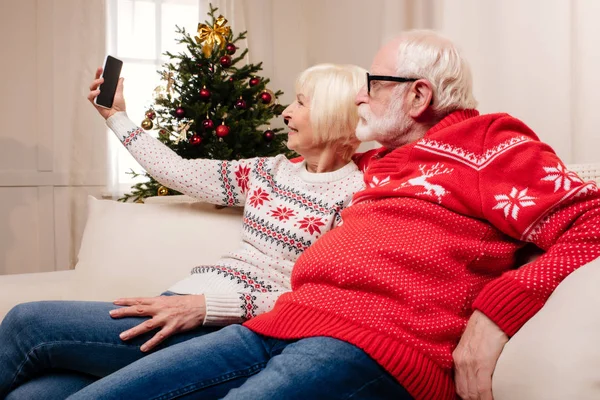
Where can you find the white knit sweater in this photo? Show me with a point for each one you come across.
(286, 208)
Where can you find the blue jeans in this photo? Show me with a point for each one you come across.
(236, 363)
(59, 347)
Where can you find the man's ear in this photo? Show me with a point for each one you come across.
(421, 98)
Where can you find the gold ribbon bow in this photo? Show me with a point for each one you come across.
(208, 36)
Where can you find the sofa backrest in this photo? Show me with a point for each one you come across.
(142, 249)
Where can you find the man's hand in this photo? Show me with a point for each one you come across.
(118, 100)
(170, 314)
(475, 357)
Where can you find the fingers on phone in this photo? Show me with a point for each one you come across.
(92, 95)
(98, 72)
(96, 83)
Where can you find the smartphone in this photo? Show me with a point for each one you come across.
(111, 73)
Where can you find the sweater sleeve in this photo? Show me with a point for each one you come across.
(234, 308)
(529, 194)
(212, 181)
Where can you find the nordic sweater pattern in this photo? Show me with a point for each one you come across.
(286, 208)
(433, 237)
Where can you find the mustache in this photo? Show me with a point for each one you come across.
(364, 112)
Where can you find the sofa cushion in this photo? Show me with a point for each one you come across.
(556, 354)
(141, 249)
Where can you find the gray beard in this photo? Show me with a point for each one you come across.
(392, 131)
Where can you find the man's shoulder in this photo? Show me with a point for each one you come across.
(479, 139)
(485, 122)
(497, 128)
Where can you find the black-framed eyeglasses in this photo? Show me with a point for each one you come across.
(386, 78)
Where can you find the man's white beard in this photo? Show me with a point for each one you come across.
(388, 129)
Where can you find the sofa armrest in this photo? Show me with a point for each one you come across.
(555, 355)
(21, 288)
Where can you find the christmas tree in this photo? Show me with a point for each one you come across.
(209, 106)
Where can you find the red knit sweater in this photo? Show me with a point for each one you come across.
(434, 237)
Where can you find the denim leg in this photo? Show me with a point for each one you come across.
(77, 336)
(202, 368)
(320, 368)
(56, 385)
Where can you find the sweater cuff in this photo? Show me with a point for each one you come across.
(507, 303)
(223, 309)
(120, 123)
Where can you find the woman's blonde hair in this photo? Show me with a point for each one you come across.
(332, 91)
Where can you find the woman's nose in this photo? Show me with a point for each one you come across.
(286, 114)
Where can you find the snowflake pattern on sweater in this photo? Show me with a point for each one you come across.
(286, 208)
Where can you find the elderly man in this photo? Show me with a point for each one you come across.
(415, 294)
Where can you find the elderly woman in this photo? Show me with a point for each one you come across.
(60, 347)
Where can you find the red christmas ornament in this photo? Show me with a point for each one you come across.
(205, 94)
(266, 97)
(225, 61)
(230, 48)
(269, 135)
(231, 79)
(254, 81)
(163, 132)
(208, 124)
(240, 104)
(179, 113)
(150, 114)
(195, 140)
(222, 131)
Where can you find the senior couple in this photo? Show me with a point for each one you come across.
(401, 283)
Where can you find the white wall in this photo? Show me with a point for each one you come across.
(289, 36)
(52, 145)
(585, 96)
(537, 60)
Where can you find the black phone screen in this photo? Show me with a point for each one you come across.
(112, 71)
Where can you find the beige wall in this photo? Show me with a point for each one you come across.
(585, 96)
(289, 36)
(52, 146)
(538, 60)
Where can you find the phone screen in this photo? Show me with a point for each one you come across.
(112, 71)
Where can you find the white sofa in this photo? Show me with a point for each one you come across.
(141, 249)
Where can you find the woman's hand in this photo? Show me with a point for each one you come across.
(170, 314)
(118, 101)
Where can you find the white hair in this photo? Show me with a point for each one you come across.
(429, 55)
